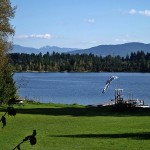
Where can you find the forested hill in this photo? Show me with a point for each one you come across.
(119, 49)
(56, 62)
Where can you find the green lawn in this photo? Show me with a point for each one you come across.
(71, 127)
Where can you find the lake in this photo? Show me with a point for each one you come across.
(81, 88)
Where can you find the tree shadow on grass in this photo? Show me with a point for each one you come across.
(135, 136)
(84, 111)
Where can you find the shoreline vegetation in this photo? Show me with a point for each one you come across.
(29, 71)
(56, 62)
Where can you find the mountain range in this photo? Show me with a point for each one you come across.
(43, 50)
(103, 50)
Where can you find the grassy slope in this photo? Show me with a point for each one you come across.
(68, 127)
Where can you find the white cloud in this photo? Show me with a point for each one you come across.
(91, 20)
(145, 12)
(132, 11)
(141, 12)
(36, 36)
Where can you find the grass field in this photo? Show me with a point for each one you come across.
(73, 127)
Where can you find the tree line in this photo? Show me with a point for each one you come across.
(56, 62)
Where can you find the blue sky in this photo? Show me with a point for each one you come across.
(80, 23)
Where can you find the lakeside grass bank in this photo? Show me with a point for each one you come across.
(72, 127)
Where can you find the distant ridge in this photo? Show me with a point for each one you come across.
(103, 50)
(43, 50)
(119, 49)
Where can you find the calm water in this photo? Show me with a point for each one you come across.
(81, 88)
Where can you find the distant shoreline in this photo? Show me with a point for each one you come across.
(71, 72)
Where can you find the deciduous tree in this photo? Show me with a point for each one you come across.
(7, 85)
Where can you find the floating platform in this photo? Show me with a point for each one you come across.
(129, 102)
